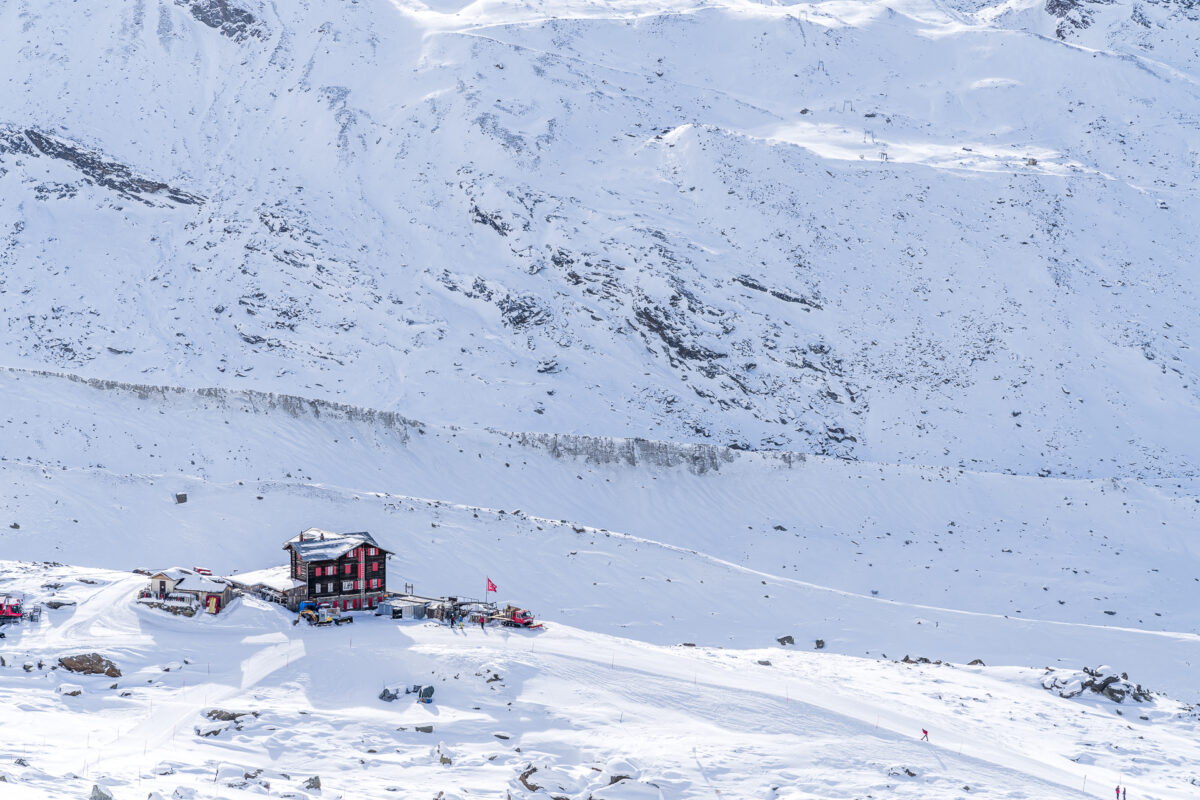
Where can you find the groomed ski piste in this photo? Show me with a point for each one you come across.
(558, 713)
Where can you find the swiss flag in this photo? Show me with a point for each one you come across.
(491, 586)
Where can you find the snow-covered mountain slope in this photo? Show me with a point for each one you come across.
(683, 322)
(247, 705)
(653, 541)
(902, 233)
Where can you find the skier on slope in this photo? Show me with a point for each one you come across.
(925, 737)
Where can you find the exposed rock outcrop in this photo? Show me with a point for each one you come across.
(90, 664)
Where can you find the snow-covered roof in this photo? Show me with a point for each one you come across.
(174, 573)
(199, 583)
(315, 544)
(277, 578)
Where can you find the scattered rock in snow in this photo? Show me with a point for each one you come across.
(1101, 680)
(819, 644)
(90, 664)
(70, 690)
(313, 783)
(786, 640)
(57, 604)
(976, 663)
(100, 793)
(227, 716)
(390, 693)
(524, 779)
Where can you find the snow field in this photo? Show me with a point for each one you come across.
(873, 558)
(581, 707)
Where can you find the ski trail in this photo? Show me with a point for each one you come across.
(635, 662)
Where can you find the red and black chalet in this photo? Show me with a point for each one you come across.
(347, 570)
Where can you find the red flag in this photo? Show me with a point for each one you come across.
(491, 586)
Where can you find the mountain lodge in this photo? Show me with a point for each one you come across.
(346, 570)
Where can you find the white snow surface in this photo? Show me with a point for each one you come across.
(580, 708)
(683, 322)
(930, 233)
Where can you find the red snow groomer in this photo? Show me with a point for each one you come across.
(10, 609)
(514, 617)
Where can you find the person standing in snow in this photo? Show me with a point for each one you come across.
(482, 621)
(1124, 792)
(1118, 793)
(925, 737)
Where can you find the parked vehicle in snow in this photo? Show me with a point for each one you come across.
(10, 609)
(323, 614)
(514, 617)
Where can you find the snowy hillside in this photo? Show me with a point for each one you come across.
(695, 326)
(654, 541)
(907, 233)
(255, 707)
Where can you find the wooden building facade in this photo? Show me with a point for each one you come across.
(346, 570)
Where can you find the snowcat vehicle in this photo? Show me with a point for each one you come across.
(10, 609)
(320, 615)
(514, 617)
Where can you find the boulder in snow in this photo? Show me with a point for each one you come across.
(1101, 680)
(90, 664)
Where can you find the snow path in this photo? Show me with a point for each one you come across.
(842, 709)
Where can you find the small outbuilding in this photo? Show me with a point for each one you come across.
(184, 587)
(273, 584)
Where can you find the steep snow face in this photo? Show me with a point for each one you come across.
(905, 233)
